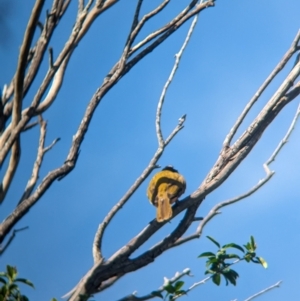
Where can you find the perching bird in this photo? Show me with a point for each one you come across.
(164, 189)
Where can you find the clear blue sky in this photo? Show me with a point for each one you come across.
(235, 46)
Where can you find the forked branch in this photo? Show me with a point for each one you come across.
(97, 253)
(293, 49)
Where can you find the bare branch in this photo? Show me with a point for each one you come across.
(264, 291)
(11, 169)
(71, 159)
(17, 102)
(58, 9)
(168, 82)
(215, 210)
(187, 12)
(30, 126)
(39, 159)
(137, 26)
(50, 57)
(80, 6)
(262, 88)
(136, 15)
(13, 235)
(174, 279)
(285, 138)
(97, 254)
(106, 272)
(19, 79)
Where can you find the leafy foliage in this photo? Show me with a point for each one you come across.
(10, 290)
(219, 264)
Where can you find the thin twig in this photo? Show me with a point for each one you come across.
(63, 57)
(51, 22)
(168, 82)
(137, 26)
(22, 62)
(11, 169)
(203, 281)
(97, 244)
(269, 79)
(167, 281)
(163, 29)
(285, 138)
(30, 126)
(215, 210)
(136, 15)
(17, 102)
(13, 234)
(39, 159)
(264, 291)
(80, 6)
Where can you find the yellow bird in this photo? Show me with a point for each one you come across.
(164, 189)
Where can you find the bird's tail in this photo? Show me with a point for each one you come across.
(164, 209)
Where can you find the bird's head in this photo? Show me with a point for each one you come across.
(170, 168)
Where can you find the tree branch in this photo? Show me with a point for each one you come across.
(97, 253)
(177, 276)
(13, 235)
(262, 88)
(264, 291)
(215, 210)
(22, 62)
(11, 169)
(39, 159)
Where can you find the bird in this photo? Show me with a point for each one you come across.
(164, 189)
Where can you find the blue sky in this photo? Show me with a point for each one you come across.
(235, 46)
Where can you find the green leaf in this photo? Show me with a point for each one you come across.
(2, 280)
(212, 260)
(11, 272)
(4, 290)
(25, 281)
(233, 245)
(214, 241)
(154, 293)
(209, 271)
(53, 299)
(206, 254)
(180, 292)
(262, 262)
(254, 260)
(13, 287)
(230, 256)
(216, 278)
(248, 246)
(178, 285)
(169, 288)
(231, 278)
(24, 298)
(253, 244)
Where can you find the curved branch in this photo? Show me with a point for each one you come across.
(22, 62)
(97, 253)
(58, 9)
(72, 156)
(264, 291)
(39, 159)
(120, 263)
(11, 169)
(262, 88)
